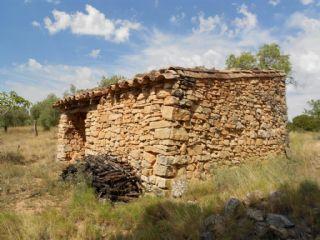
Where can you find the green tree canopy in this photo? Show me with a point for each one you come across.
(13, 109)
(44, 112)
(268, 56)
(310, 120)
(10, 101)
(306, 123)
(72, 91)
(106, 81)
(314, 110)
(245, 61)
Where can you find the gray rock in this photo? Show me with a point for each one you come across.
(231, 206)
(255, 214)
(253, 197)
(211, 224)
(298, 233)
(207, 235)
(279, 221)
(261, 228)
(275, 196)
(279, 231)
(213, 220)
(179, 187)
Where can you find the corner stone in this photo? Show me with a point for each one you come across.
(172, 133)
(163, 171)
(173, 113)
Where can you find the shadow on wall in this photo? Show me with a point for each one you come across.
(289, 213)
(77, 135)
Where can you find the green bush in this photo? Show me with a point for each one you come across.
(45, 113)
(305, 122)
(106, 81)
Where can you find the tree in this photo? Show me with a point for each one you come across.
(11, 104)
(72, 91)
(268, 56)
(44, 113)
(106, 81)
(315, 108)
(245, 61)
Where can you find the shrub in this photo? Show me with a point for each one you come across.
(106, 81)
(306, 123)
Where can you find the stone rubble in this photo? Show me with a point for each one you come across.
(253, 223)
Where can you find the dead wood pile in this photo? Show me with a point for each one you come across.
(110, 177)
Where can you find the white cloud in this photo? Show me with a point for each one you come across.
(33, 64)
(209, 24)
(62, 22)
(95, 53)
(199, 48)
(306, 2)
(304, 50)
(178, 18)
(164, 50)
(211, 40)
(248, 21)
(48, 1)
(54, 1)
(93, 23)
(36, 24)
(35, 80)
(274, 2)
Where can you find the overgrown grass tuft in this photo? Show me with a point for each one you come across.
(12, 157)
(10, 226)
(168, 219)
(301, 202)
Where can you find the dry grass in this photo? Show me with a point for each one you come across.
(34, 204)
(28, 172)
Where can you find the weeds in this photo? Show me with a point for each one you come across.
(12, 157)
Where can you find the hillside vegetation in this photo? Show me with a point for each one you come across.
(35, 204)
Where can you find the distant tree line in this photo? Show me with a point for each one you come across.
(17, 111)
(309, 120)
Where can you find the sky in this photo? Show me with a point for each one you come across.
(46, 45)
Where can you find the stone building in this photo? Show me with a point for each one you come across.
(178, 123)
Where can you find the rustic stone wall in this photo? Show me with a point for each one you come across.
(180, 129)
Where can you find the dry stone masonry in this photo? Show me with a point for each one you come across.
(177, 123)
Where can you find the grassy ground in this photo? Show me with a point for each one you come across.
(34, 204)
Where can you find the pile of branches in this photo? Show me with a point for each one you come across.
(109, 176)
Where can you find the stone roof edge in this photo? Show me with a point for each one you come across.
(170, 73)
